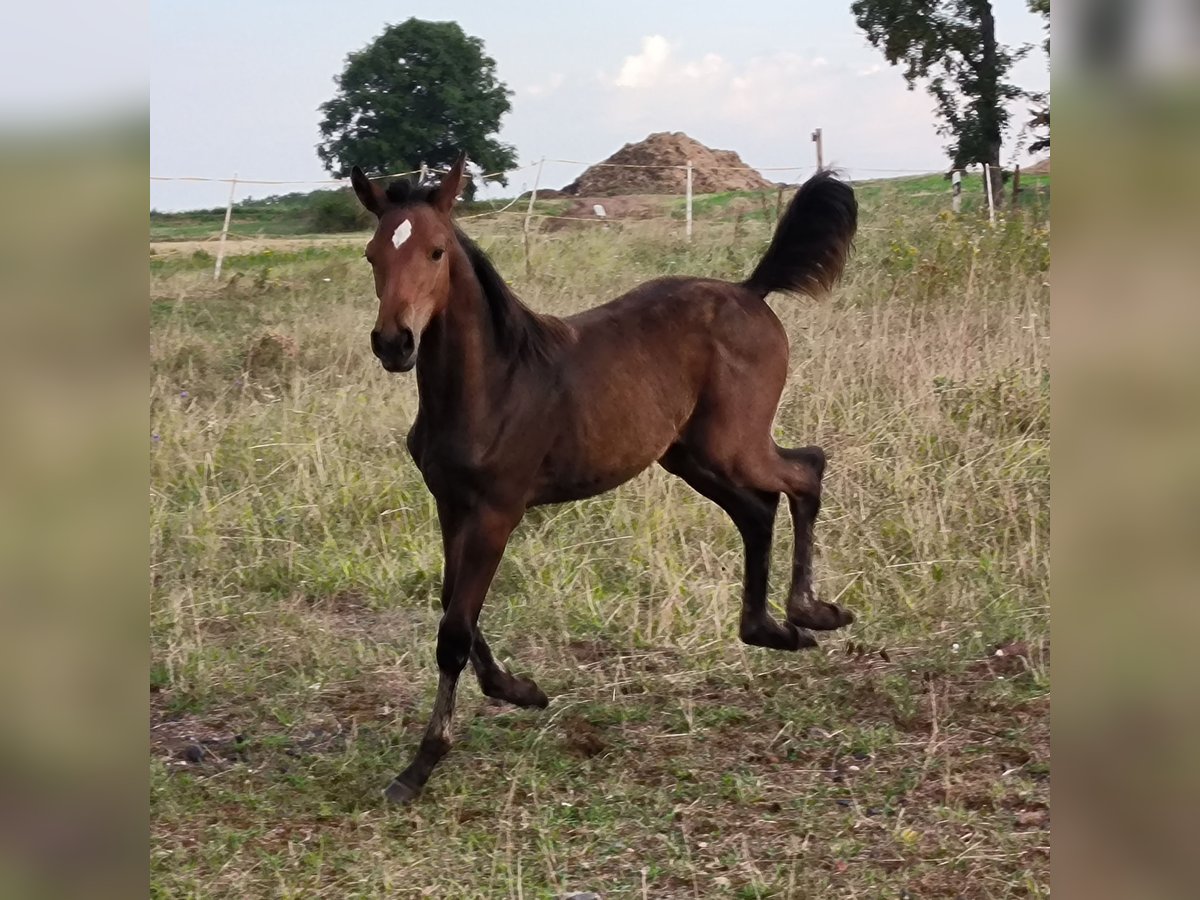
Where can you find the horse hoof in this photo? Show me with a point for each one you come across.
(401, 793)
(535, 697)
(523, 692)
(804, 640)
(529, 694)
(820, 616)
(774, 636)
(517, 691)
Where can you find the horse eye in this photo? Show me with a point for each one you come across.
(438, 253)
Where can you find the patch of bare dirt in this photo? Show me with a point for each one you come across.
(616, 209)
(582, 738)
(247, 246)
(193, 739)
(593, 651)
(663, 154)
(1041, 167)
(1012, 659)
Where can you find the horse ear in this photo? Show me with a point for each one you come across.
(447, 191)
(369, 195)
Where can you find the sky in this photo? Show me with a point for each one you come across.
(235, 87)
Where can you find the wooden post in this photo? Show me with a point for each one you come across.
(817, 139)
(689, 199)
(779, 203)
(225, 229)
(528, 213)
(987, 178)
(424, 174)
(1016, 187)
(956, 178)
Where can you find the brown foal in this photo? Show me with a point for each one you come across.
(519, 409)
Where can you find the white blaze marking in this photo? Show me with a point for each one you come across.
(403, 230)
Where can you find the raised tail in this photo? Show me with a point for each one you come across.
(812, 241)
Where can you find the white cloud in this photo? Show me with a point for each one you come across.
(659, 65)
(552, 84)
(645, 68)
(659, 73)
(767, 106)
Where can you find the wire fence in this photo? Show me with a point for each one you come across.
(595, 211)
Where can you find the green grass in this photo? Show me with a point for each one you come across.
(932, 193)
(292, 215)
(296, 566)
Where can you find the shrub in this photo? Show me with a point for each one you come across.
(335, 211)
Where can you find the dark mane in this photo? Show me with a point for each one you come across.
(519, 329)
(403, 192)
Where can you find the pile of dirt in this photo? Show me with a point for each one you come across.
(712, 170)
(1040, 168)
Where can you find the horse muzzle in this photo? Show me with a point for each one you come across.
(396, 352)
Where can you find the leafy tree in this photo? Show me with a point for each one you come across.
(1040, 114)
(1042, 8)
(420, 92)
(951, 44)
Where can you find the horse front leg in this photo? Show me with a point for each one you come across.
(500, 684)
(475, 548)
(494, 680)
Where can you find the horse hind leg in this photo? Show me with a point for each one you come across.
(753, 512)
(804, 610)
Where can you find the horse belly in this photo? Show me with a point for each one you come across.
(610, 438)
(577, 477)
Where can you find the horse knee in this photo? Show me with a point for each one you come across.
(805, 503)
(812, 458)
(453, 644)
(815, 457)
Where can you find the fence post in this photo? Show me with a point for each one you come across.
(987, 177)
(689, 199)
(956, 178)
(225, 230)
(817, 139)
(424, 177)
(1016, 188)
(529, 212)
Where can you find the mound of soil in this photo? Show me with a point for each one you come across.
(546, 194)
(712, 170)
(1040, 168)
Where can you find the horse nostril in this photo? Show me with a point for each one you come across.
(375, 343)
(405, 342)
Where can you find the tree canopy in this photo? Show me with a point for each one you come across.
(420, 92)
(952, 45)
(1039, 121)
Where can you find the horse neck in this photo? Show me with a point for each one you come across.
(461, 364)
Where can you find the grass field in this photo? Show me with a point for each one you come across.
(296, 566)
(294, 215)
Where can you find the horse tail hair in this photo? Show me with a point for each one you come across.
(812, 241)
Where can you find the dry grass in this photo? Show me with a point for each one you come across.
(296, 565)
